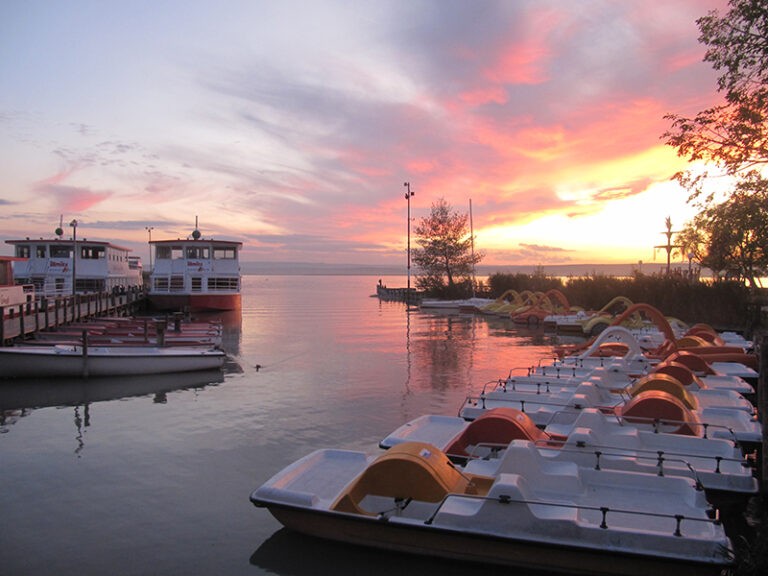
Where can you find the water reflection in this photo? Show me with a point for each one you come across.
(232, 328)
(33, 393)
(340, 370)
(320, 556)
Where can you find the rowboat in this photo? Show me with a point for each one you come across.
(530, 514)
(592, 439)
(84, 361)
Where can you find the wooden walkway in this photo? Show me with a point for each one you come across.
(20, 321)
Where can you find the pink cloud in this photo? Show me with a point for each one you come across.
(69, 198)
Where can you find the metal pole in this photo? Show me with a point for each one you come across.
(149, 230)
(408, 195)
(472, 238)
(74, 258)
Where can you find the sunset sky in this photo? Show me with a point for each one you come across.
(292, 126)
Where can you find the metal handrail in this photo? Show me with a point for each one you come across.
(604, 510)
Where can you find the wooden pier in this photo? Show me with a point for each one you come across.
(46, 313)
(411, 296)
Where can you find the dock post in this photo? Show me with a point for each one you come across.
(85, 353)
(21, 321)
(161, 333)
(44, 304)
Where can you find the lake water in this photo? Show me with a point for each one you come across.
(153, 475)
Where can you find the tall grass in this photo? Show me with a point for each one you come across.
(724, 305)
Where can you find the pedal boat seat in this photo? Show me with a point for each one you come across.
(497, 428)
(409, 471)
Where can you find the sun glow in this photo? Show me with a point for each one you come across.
(622, 231)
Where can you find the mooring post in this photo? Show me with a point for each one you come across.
(161, 326)
(85, 353)
(21, 321)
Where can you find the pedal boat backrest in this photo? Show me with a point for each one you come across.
(657, 406)
(682, 373)
(411, 470)
(664, 383)
(496, 427)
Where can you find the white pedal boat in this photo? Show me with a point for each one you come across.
(620, 346)
(532, 514)
(592, 439)
(654, 409)
(615, 387)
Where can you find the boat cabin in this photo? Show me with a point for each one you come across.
(195, 274)
(52, 265)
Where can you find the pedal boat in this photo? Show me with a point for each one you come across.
(592, 440)
(531, 514)
(658, 403)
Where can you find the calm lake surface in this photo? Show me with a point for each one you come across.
(152, 475)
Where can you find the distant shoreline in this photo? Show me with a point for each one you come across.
(561, 270)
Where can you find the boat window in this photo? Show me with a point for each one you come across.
(215, 284)
(41, 251)
(61, 251)
(92, 252)
(163, 252)
(177, 283)
(22, 251)
(197, 284)
(177, 253)
(197, 252)
(161, 284)
(224, 253)
(89, 285)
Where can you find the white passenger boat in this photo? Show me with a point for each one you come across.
(593, 440)
(52, 265)
(84, 361)
(531, 514)
(195, 274)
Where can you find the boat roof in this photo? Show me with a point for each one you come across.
(67, 241)
(198, 241)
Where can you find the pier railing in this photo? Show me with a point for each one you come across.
(46, 313)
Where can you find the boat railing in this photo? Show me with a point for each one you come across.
(569, 409)
(528, 369)
(495, 383)
(657, 423)
(603, 510)
(480, 401)
(660, 457)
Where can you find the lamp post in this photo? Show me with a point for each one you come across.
(149, 230)
(74, 256)
(408, 195)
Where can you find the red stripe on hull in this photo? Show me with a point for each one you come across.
(195, 302)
